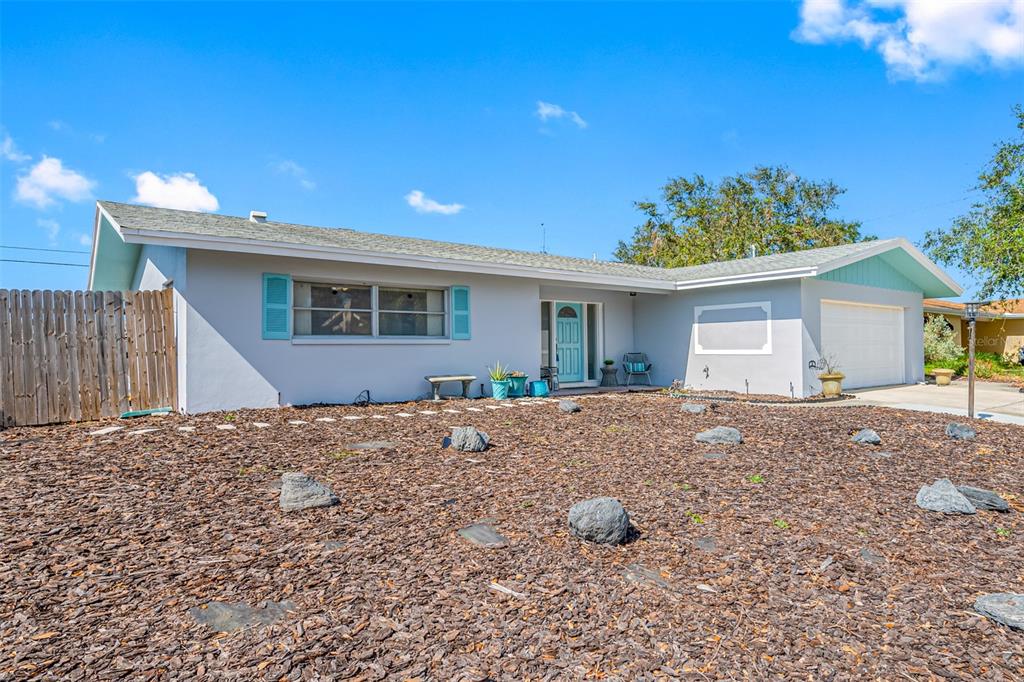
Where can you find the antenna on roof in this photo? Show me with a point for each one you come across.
(543, 239)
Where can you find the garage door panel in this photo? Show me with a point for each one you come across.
(867, 341)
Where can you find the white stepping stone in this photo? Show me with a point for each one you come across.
(378, 416)
(225, 427)
(353, 417)
(427, 412)
(187, 429)
(297, 422)
(260, 425)
(452, 411)
(139, 432)
(492, 407)
(474, 409)
(403, 414)
(326, 419)
(105, 430)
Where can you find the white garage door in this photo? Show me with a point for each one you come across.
(867, 340)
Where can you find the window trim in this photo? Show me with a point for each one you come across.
(766, 349)
(375, 311)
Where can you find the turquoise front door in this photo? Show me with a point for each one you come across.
(569, 341)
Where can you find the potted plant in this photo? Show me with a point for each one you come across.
(943, 376)
(500, 383)
(831, 378)
(609, 375)
(518, 387)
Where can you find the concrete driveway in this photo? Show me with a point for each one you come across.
(994, 401)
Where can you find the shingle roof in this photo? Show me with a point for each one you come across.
(188, 223)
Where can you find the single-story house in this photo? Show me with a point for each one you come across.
(271, 313)
(999, 327)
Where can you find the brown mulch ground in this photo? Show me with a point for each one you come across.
(107, 542)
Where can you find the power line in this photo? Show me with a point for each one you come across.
(42, 262)
(32, 248)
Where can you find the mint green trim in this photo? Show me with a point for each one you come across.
(144, 413)
(277, 306)
(873, 272)
(116, 261)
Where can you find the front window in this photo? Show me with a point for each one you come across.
(354, 310)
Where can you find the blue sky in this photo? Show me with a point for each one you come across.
(501, 117)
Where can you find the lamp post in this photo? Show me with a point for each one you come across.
(971, 313)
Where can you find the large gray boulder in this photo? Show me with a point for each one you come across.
(603, 520)
(866, 437)
(468, 439)
(1003, 607)
(984, 499)
(960, 431)
(720, 435)
(942, 496)
(301, 491)
(693, 408)
(569, 406)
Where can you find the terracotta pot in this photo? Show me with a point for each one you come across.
(942, 376)
(832, 384)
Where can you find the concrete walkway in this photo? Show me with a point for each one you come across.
(992, 401)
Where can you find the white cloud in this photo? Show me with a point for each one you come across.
(10, 151)
(289, 167)
(181, 190)
(921, 39)
(49, 180)
(546, 110)
(423, 204)
(85, 239)
(51, 228)
(58, 125)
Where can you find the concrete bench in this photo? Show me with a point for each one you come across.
(436, 381)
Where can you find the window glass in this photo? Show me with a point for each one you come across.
(411, 324)
(333, 296)
(420, 300)
(567, 311)
(332, 323)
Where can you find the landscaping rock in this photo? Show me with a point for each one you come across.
(714, 455)
(942, 496)
(468, 439)
(693, 408)
(720, 435)
(301, 491)
(880, 455)
(569, 406)
(1003, 607)
(224, 617)
(866, 437)
(984, 499)
(706, 544)
(483, 535)
(372, 445)
(960, 431)
(871, 556)
(602, 520)
(638, 573)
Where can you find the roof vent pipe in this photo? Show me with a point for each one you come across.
(258, 216)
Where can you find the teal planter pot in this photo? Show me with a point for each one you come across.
(539, 388)
(499, 389)
(518, 387)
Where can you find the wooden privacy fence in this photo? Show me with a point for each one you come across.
(79, 355)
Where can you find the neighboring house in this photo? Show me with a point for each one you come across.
(270, 313)
(999, 327)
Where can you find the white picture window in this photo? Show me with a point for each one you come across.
(363, 310)
(733, 329)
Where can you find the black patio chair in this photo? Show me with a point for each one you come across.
(636, 364)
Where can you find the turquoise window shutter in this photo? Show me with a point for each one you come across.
(460, 313)
(277, 306)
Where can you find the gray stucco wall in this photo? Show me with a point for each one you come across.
(812, 292)
(157, 266)
(230, 365)
(664, 330)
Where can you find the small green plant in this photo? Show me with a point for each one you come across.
(756, 478)
(613, 428)
(695, 517)
(342, 454)
(780, 524)
(608, 362)
(498, 372)
(230, 417)
(1004, 532)
(526, 504)
(685, 486)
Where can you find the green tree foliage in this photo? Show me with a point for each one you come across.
(769, 208)
(988, 242)
(939, 341)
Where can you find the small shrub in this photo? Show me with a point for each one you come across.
(695, 517)
(1004, 532)
(756, 478)
(780, 524)
(939, 341)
